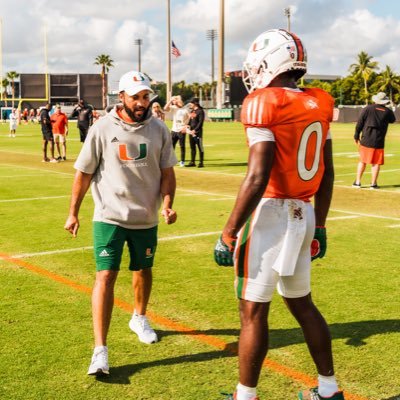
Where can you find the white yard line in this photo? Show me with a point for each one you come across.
(37, 169)
(344, 217)
(365, 215)
(164, 239)
(34, 198)
(394, 191)
(382, 171)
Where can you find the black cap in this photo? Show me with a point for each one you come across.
(194, 100)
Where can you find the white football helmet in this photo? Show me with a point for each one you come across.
(272, 53)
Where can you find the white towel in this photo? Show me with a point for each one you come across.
(293, 239)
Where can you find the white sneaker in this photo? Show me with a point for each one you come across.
(140, 325)
(181, 163)
(99, 364)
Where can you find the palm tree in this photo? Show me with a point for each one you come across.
(4, 83)
(364, 68)
(388, 81)
(195, 87)
(12, 75)
(106, 63)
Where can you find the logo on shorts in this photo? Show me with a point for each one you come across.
(104, 253)
(149, 253)
(114, 140)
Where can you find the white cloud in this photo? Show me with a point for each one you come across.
(333, 32)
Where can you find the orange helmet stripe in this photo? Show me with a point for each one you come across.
(300, 48)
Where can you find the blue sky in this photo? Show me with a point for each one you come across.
(333, 31)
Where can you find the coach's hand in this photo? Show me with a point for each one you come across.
(223, 252)
(169, 215)
(72, 225)
(318, 245)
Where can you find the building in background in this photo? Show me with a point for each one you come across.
(64, 89)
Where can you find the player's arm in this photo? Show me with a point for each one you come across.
(260, 161)
(168, 187)
(79, 188)
(322, 202)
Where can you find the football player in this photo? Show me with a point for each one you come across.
(273, 227)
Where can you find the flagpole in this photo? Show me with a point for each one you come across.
(168, 94)
(220, 81)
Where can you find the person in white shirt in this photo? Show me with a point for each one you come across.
(13, 123)
(179, 124)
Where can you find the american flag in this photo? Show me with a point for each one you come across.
(175, 51)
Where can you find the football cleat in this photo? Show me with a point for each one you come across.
(312, 394)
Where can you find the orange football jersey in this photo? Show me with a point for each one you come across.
(300, 123)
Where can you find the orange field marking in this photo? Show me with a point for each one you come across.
(212, 341)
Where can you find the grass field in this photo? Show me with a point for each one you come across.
(46, 278)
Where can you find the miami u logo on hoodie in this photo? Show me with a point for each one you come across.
(123, 152)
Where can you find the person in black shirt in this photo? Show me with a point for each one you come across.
(47, 133)
(373, 124)
(195, 132)
(84, 113)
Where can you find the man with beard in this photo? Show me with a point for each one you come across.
(128, 159)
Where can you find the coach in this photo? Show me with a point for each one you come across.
(373, 123)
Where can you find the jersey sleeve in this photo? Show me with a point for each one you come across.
(258, 110)
(256, 135)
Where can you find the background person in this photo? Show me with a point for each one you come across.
(290, 161)
(195, 131)
(180, 120)
(157, 111)
(47, 133)
(59, 124)
(13, 123)
(372, 126)
(84, 113)
(128, 159)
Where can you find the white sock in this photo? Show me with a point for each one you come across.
(98, 349)
(327, 386)
(245, 392)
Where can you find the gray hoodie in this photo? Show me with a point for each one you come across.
(126, 161)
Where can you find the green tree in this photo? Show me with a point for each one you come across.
(11, 76)
(4, 83)
(106, 63)
(388, 81)
(364, 68)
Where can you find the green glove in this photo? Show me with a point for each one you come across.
(318, 245)
(223, 252)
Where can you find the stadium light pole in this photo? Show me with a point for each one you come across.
(139, 42)
(288, 14)
(168, 51)
(212, 35)
(221, 55)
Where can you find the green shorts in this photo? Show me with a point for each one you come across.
(109, 240)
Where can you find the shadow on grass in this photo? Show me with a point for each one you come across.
(356, 334)
(121, 375)
(388, 187)
(226, 164)
(393, 398)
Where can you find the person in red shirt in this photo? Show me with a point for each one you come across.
(273, 231)
(59, 123)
